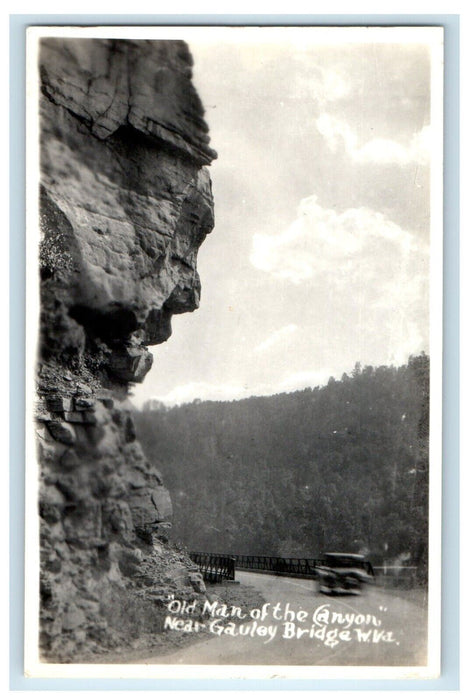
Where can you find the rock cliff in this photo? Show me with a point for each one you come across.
(125, 202)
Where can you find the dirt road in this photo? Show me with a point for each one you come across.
(299, 626)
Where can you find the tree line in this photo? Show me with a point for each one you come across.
(342, 467)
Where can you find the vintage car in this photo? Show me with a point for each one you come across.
(343, 573)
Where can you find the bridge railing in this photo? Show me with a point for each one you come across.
(219, 566)
(214, 567)
(280, 565)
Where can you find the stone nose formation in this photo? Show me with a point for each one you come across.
(124, 192)
(125, 203)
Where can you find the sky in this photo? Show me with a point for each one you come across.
(320, 252)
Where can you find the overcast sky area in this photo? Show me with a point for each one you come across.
(319, 256)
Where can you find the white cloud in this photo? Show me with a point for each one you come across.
(322, 240)
(336, 131)
(300, 380)
(206, 391)
(277, 336)
(367, 277)
(377, 150)
(335, 86)
(325, 84)
(203, 391)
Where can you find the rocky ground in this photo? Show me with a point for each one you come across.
(157, 642)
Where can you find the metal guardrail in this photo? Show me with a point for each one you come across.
(218, 566)
(280, 565)
(214, 567)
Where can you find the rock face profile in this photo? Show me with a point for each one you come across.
(125, 202)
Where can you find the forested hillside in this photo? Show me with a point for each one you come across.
(343, 467)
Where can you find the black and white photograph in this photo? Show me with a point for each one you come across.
(234, 319)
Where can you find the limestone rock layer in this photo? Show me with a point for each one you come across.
(125, 203)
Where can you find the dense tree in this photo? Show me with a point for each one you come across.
(342, 467)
